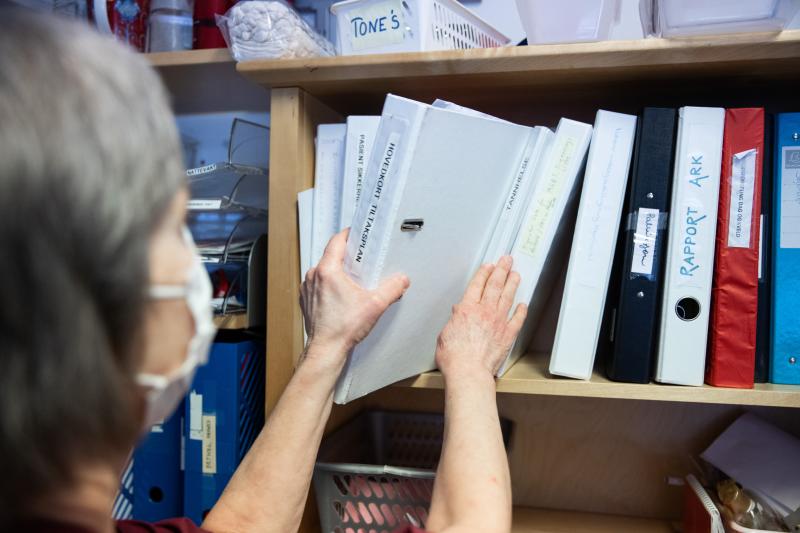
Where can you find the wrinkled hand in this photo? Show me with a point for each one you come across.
(479, 333)
(338, 312)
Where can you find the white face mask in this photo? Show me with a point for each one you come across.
(165, 392)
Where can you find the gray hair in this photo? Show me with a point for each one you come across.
(89, 162)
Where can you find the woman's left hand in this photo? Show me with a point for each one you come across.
(338, 312)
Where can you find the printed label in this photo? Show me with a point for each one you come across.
(209, 444)
(201, 170)
(742, 180)
(361, 163)
(373, 202)
(546, 197)
(790, 198)
(201, 204)
(375, 25)
(195, 416)
(645, 239)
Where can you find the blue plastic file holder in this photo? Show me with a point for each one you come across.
(224, 414)
(158, 471)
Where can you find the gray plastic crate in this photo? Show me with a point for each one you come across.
(376, 473)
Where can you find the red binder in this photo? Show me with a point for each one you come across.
(734, 294)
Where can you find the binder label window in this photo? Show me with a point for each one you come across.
(790, 198)
(644, 241)
(743, 178)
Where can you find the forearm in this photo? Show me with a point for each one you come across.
(473, 450)
(269, 489)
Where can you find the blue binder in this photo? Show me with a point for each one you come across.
(224, 415)
(158, 472)
(785, 348)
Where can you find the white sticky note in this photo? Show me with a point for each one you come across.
(377, 24)
(195, 416)
(742, 180)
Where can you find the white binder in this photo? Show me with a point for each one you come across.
(328, 169)
(358, 143)
(690, 247)
(436, 182)
(519, 195)
(305, 218)
(541, 243)
(593, 245)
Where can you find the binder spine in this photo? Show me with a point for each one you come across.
(765, 258)
(510, 218)
(633, 319)
(734, 305)
(690, 254)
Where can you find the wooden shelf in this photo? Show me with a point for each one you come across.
(528, 520)
(530, 376)
(763, 55)
(236, 321)
(189, 57)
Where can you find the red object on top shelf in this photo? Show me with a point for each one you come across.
(206, 32)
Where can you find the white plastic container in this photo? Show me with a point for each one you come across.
(566, 21)
(679, 18)
(386, 26)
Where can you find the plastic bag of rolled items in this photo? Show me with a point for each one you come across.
(270, 29)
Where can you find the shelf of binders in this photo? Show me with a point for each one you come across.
(529, 375)
(228, 218)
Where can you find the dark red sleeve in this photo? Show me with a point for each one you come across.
(173, 525)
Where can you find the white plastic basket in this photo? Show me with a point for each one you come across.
(386, 26)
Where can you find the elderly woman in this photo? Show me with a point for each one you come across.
(106, 311)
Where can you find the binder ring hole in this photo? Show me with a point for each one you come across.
(687, 309)
(412, 224)
(156, 494)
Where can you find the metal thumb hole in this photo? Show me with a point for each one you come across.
(687, 309)
(412, 224)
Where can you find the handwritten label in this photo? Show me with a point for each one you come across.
(645, 239)
(742, 180)
(209, 447)
(790, 198)
(693, 220)
(546, 197)
(195, 416)
(375, 25)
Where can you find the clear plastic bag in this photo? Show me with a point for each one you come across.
(270, 29)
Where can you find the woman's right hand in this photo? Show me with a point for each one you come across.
(338, 312)
(479, 334)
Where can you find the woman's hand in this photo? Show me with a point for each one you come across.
(479, 334)
(338, 312)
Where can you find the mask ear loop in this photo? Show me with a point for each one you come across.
(167, 292)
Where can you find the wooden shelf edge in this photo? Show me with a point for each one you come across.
(236, 321)
(644, 53)
(529, 376)
(530, 520)
(189, 57)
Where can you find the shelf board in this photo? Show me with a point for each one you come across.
(529, 520)
(189, 57)
(771, 56)
(530, 376)
(235, 321)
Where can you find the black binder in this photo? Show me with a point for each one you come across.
(632, 309)
(765, 265)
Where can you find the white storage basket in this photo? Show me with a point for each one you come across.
(386, 26)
